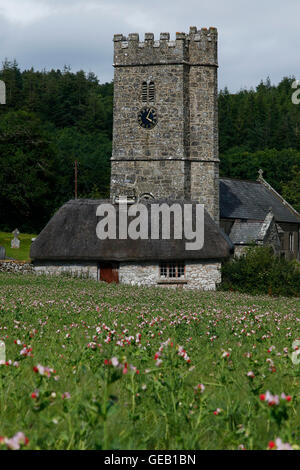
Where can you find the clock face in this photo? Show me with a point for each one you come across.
(147, 118)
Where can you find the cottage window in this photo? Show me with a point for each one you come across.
(172, 270)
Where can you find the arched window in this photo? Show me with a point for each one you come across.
(148, 92)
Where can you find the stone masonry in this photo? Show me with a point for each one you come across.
(178, 158)
(205, 275)
(82, 269)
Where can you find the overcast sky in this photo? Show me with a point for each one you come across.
(257, 38)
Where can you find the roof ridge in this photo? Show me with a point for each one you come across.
(239, 179)
(281, 198)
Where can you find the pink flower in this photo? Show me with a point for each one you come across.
(114, 361)
(35, 394)
(281, 446)
(274, 399)
(199, 387)
(15, 442)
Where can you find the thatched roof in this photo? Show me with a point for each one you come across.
(71, 235)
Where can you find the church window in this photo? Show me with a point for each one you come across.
(291, 242)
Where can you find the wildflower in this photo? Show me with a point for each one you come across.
(271, 445)
(35, 394)
(281, 446)
(66, 396)
(15, 442)
(274, 399)
(217, 411)
(251, 374)
(199, 387)
(286, 397)
(115, 362)
(43, 370)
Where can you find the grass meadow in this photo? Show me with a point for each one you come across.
(96, 366)
(20, 254)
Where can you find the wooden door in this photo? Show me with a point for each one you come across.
(109, 272)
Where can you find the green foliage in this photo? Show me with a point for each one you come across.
(260, 119)
(261, 129)
(98, 384)
(50, 120)
(259, 271)
(281, 168)
(291, 190)
(53, 118)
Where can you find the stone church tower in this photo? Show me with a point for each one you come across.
(165, 134)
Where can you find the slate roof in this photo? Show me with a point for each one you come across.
(71, 235)
(245, 232)
(252, 200)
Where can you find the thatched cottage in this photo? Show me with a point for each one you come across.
(69, 244)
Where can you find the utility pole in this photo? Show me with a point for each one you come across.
(76, 175)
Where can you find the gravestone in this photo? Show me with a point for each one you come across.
(2, 252)
(2, 352)
(15, 243)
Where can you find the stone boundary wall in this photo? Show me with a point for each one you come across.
(85, 269)
(16, 267)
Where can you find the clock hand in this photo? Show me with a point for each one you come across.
(147, 117)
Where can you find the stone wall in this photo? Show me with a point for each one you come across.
(203, 275)
(16, 267)
(76, 269)
(199, 275)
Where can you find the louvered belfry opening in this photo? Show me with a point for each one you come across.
(144, 92)
(151, 92)
(148, 92)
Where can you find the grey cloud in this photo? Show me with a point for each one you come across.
(257, 38)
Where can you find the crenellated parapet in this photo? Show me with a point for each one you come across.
(199, 47)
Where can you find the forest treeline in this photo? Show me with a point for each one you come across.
(53, 118)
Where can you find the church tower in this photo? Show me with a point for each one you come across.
(165, 133)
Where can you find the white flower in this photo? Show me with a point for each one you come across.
(281, 446)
